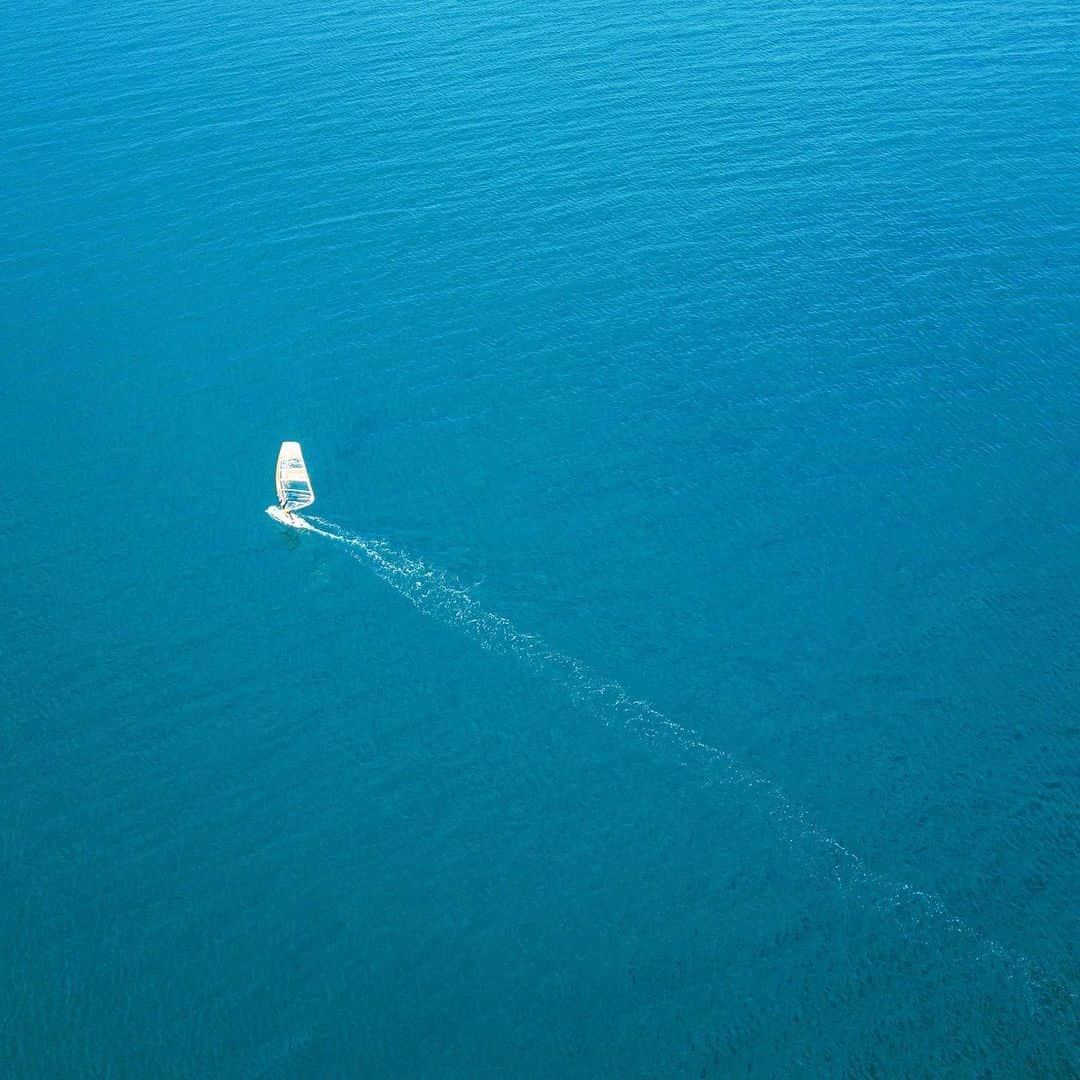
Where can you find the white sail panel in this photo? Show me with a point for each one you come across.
(293, 483)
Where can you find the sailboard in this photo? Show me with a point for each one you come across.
(294, 490)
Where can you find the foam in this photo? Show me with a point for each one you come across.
(912, 909)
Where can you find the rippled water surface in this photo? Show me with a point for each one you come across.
(681, 678)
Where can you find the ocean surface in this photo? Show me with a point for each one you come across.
(681, 678)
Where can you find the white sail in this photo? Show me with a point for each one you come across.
(293, 483)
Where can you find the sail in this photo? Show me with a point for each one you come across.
(293, 483)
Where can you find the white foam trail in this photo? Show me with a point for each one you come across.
(431, 592)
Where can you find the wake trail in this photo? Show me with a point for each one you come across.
(433, 593)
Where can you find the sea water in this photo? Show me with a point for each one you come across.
(681, 677)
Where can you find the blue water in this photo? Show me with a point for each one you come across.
(682, 680)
